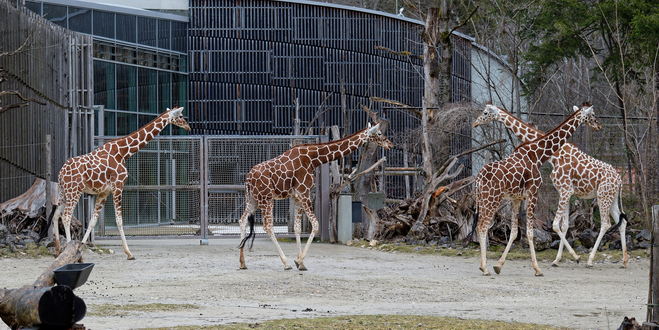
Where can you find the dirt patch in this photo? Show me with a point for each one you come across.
(341, 280)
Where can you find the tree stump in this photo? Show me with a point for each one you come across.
(42, 304)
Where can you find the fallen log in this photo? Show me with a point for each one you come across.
(42, 304)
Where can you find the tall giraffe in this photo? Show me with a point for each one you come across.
(574, 173)
(518, 178)
(103, 172)
(291, 175)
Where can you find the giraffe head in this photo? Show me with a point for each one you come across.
(373, 134)
(490, 113)
(176, 118)
(587, 116)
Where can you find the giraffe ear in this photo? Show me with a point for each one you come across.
(167, 110)
(368, 125)
(372, 130)
(575, 108)
(177, 111)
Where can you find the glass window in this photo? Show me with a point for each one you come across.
(179, 90)
(80, 20)
(126, 87)
(126, 27)
(147, 31)
(148, 90)
(103, 24)
(109, 123)
(179, 36)
(33, 6)
(126, 123)
(55, 14)
(104, 84)
(165, 90)
(145, 119)
(163, 34)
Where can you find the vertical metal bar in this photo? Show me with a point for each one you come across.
(49, 170)
(203, 181)
(174, 189)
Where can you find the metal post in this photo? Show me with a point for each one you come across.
(174, 189)
(323, 200)
(203, 190)
(49, 170)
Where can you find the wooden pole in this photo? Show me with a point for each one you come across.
(653, 295)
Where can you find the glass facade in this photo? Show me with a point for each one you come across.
(140, 62)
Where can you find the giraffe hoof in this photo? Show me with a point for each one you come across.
(539, 274)
(497, 269)
(300, 265)
(242, 268)
(131, 258)
(589, 265)
(554, 264)
(287, 267)
(577, 259)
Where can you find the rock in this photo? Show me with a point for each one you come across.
(643, 245)
(555, 244)
(3, 231)
(617, 245)
(433, 242)
(542, 239)
(28, 241)
(644, 235)
(444, 240)
(587, 238)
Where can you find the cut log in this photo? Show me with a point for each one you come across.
(50, 307)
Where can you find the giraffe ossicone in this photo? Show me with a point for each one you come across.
(574, 173)
(103, 172)
(518, 178)
(291, 175)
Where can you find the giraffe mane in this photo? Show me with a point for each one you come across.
(330, 142)
(525, 124)
(551, 131)
(133, 132)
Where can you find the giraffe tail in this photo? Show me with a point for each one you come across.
(251, 233)
(622, 217)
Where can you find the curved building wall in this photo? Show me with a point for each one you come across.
(250, 60)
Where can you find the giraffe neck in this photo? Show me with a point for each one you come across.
(327, 152)
(132, 143)
(543, 148)
(523, 131)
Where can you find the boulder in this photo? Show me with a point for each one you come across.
(588, 238)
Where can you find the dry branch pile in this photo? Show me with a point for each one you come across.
(23, 219)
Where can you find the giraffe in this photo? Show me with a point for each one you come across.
(291, 175)
(103, 172)
(518, 178)
(574, 173)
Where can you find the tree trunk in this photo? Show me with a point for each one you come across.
(42, 303)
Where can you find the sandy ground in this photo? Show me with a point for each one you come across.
(341, 280)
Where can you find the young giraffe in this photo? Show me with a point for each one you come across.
(518, 178)
(103, 172)
(291, 174)
(574, 173)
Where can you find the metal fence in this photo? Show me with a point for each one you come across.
(178, 185)
(51, 66)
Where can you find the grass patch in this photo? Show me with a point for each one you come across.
(494, 252)
(99, 249)
(123, 310)
(374, 322)
(30, 251)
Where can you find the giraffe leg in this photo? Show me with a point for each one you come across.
(100, 200)
(250, 206)
(56, 216)
(514, 223)
(266, 210)
(297, 226)
(120, 223)
(615, 214)
(604, 202)
(530, 224)
(69, 207)
(306, 204)
(483, 224)
(560, 226)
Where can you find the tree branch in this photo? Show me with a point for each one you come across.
(461, 24)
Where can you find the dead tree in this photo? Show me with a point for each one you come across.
(41, 303)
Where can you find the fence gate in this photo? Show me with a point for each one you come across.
(178, 185)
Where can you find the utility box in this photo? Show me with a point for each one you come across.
(344, 218)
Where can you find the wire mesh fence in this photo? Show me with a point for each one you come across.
(178, 185)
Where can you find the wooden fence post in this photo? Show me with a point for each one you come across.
(653, 295)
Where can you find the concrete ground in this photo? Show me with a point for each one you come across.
(341, 280)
